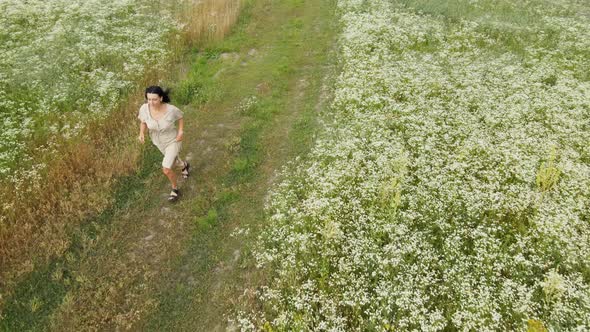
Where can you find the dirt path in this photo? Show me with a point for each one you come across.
(149, 265)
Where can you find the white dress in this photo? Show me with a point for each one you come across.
(163, 131)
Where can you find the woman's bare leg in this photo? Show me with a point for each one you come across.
(171, 176)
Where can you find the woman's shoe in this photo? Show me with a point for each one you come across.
(174, 194)
(185, 170)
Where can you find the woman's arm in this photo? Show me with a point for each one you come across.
(180, 134)
(142, 127)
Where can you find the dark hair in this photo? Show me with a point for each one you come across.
(159, 91)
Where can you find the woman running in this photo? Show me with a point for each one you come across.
(160, 117)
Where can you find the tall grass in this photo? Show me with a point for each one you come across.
(72, 75)
(209, 19)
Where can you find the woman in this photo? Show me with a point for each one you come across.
(159, 117)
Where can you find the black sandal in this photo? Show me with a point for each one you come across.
(185, 170)
(174, 194)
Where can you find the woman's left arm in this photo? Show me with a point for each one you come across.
(180, 134)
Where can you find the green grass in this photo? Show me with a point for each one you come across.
(207, 221)
(456, 10)
(49, 283)
(199, 86)
(511, 26)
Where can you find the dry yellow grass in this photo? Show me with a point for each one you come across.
(211, 19)
(43, 214)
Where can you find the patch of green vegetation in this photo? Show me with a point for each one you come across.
(196, 88)
(244, 165)
(512, 28)
(32, 303)
(39, 293)
(209, 220)
(457, 10)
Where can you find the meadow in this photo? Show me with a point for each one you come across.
(65, 62)
(450, 187)
(71, 80)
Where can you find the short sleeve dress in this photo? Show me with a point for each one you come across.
(163, 131)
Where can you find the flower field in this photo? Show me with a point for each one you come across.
(63, 63)
(450, 188)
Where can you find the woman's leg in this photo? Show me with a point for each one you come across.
(170, 156)
(184, 167)
(171, 176)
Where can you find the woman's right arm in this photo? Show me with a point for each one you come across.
(142, 128)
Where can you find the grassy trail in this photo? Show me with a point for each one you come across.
(250, 105)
